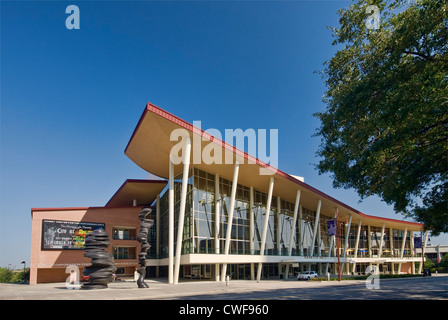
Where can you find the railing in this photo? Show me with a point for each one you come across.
(295, 253)
(117, 237)
(125, 257)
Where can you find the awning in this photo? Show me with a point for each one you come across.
(144, 192)
(150, 146)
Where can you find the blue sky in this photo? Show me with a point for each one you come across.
(70, 99)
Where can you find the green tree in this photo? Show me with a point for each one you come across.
(384, 130)
(5, 275)
(444, 262)
(20, 276)
(428, 263)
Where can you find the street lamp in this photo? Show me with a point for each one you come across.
(24, 264)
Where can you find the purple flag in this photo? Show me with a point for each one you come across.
(331, 227)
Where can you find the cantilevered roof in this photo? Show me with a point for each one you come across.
(143, 191)
(150, 146)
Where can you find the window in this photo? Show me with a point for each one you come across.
(124, 252)
(122, 233)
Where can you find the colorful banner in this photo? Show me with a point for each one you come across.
(66, 235)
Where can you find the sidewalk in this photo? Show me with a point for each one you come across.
(158, 290)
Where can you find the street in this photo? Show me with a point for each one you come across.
(428, 288)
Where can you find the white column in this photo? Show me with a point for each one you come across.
(391, 248)
(426, 240)
(183, 200)
(423, 251)
(403, 242)
(251, 229)
(357, 239)
(265, 226)
(369, 241)
(230, 219)
(411, 247)
(217, 213)
(330, 247)
(294, 221)
(347, 235)
(278, 240)
(158, 231)
(251, 220)
(346, 242)
(300, 231)
(355, 254)
(319, 241)
(316, 224)
(217, 222)
(382, 240)
(391, 237)
(171, 222)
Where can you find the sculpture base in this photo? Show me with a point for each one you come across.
(142, 285)
(89, 286)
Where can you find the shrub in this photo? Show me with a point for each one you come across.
(6, 275)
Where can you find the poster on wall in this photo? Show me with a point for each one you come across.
(66, 235)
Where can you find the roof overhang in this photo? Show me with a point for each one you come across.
(144, 192)
(150, 147)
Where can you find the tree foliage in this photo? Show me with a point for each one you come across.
(444, 262)
(5, 275)
(385, 127)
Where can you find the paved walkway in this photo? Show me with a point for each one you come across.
(158, 290)
(127, 290)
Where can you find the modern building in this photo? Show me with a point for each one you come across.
(435, 252)
(237, 217)
(58, 234)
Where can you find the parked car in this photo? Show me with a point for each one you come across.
(307, 275)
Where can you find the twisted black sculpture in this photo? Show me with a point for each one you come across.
(142, 237)
(102, 268)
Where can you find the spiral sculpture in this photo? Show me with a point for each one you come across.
(142, 237)
(102, 265)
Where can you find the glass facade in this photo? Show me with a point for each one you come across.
(187, 244)
(205, 231)
(375, 241)
(207, 219)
